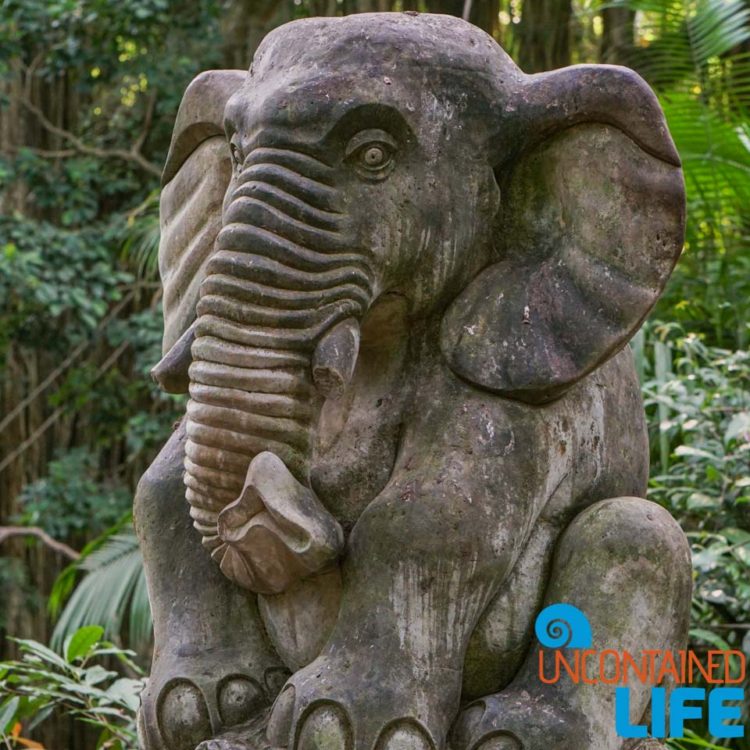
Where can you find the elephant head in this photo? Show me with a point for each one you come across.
(530, 223)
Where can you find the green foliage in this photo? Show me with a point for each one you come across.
(71, 499)
(116, 53)
(124, 404)
(143, 332)
(75, 682)
(690, 51)
(145, 431)
(71, 190)
(111, 593)
(699, 408)
(692, 741)
(55, 284)
(14, 583)
(698, 404)
(141, 245)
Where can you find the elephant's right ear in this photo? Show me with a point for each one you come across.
(592, 223)
(195, 178)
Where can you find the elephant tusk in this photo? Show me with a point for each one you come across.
(171, 372)
(335, 358)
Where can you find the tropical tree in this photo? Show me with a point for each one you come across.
(695, 54)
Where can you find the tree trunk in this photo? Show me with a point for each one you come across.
(617, 35)
(245, 23)
(544, 35)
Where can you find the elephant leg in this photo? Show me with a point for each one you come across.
(500, 642)
(212, 667)
(625, 564)
(421, 564)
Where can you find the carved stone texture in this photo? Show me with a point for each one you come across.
(400, 278)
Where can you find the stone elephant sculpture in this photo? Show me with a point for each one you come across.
(399, 281)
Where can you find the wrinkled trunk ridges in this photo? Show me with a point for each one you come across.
(284, 273)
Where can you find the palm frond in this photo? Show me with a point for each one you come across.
(690, 51)
(140, 250)
(112, 593)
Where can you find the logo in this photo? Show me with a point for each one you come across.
(567, 653)
(563, 626)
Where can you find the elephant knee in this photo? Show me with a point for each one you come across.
(145, 492)
(160, 493)
(627, 528)
(626, 555)
(623, 561)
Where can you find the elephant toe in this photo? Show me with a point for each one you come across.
(326, 728)
(327, 705)
(500, 742)
(404, 736)
(189, 701)
(516, 720)
(240, 699)
(183, 716)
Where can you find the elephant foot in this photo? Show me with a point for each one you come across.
(349, 703)
(192, 699)
(213, 667)
(519, 721)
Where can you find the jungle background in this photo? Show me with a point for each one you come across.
(88, 94)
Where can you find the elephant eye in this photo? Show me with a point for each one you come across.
(374, 157)
(371, 152)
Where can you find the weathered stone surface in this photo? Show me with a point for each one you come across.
(194, 181)
(400, 277)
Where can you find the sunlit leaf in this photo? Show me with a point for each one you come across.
(80, 643)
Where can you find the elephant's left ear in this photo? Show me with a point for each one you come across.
(592, 223)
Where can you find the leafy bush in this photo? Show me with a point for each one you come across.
(699, 408)
(698, 400)
(55, 285)
(698, 404)
(70, 499)
(145, 431)
(75, 682)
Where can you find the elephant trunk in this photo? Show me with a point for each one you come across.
(282, 278)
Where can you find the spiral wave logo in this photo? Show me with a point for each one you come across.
(563, 626)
